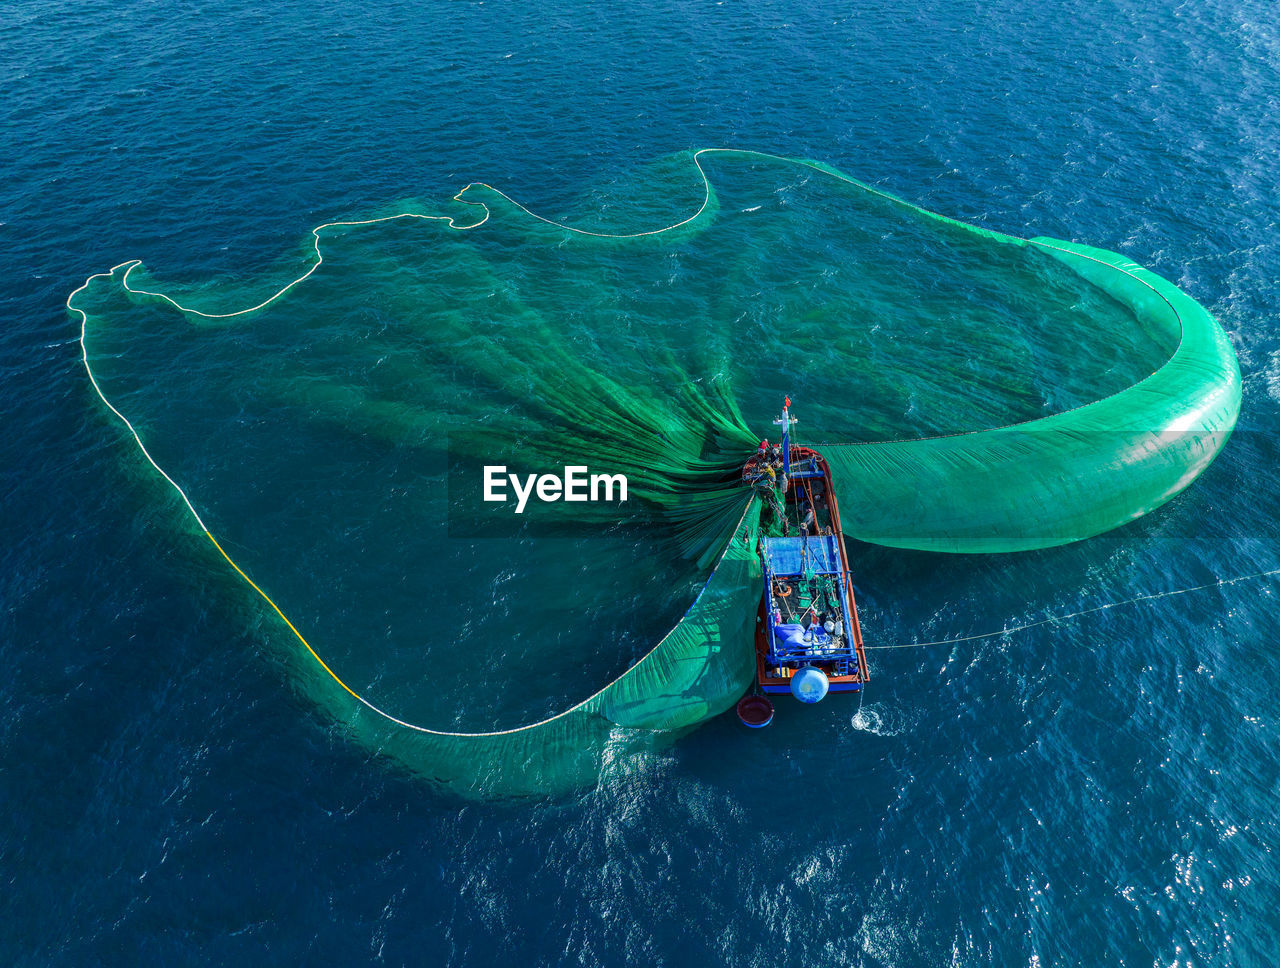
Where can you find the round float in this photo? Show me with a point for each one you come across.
(810, 684)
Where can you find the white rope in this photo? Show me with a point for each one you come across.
(450, 221)
(1054, 619)
(84, 355)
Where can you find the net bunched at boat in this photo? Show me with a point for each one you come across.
(461, 320)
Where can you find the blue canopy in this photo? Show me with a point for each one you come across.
(795, 556)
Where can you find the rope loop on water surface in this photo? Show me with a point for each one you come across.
(84, 354)
(1055, 619)
(318, 260)
(450, 222)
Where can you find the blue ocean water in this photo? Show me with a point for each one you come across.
(1101, 792)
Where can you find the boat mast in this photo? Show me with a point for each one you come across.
(785, 421)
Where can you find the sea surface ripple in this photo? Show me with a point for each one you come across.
(1100, 793)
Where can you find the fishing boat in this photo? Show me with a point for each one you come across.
(808, 639)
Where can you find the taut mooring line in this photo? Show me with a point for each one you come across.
(1055, 619)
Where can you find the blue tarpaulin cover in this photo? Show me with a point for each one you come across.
(793, 556)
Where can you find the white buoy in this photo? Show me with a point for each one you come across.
(809, 684)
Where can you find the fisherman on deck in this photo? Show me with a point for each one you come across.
(808, 521)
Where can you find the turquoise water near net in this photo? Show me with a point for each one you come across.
(317, 435)
(1096, 792)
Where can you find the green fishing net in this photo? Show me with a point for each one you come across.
(327, 430)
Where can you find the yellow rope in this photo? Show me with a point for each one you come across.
(292, 628)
